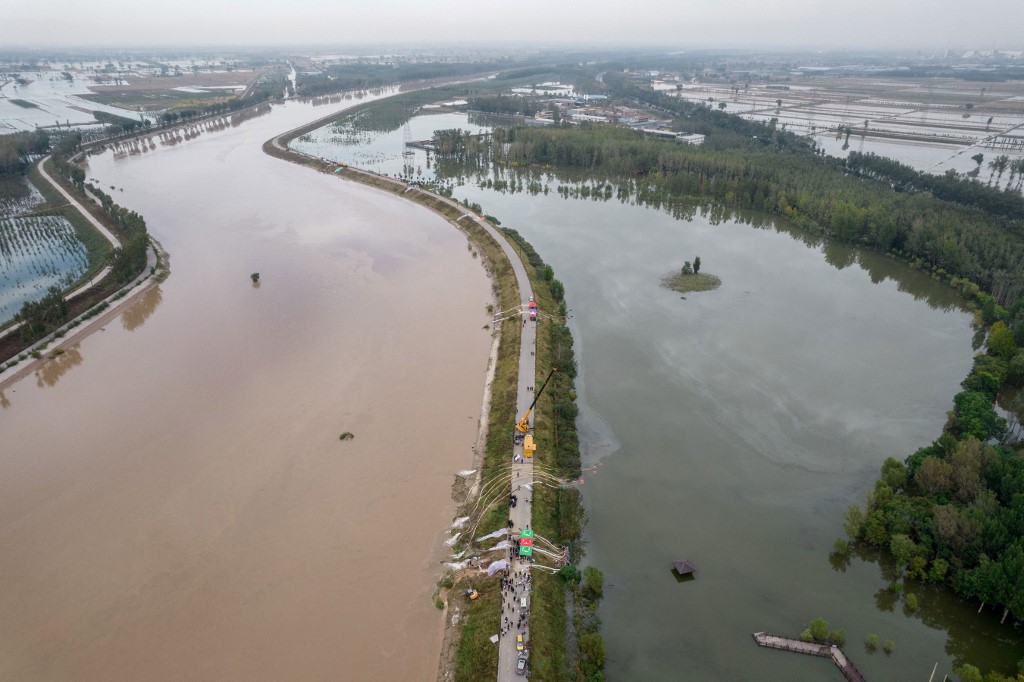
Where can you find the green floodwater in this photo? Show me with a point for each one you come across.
(734, 427)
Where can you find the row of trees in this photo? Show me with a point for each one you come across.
(17, 148)
(129, 259)
(819, 195)
(506, 105)
(39, 318)
(950, 187)
(342, 77)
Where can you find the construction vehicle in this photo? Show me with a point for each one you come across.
(524, 424)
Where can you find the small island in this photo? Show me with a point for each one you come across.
(690, 278)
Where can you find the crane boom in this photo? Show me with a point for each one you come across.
(523, 426)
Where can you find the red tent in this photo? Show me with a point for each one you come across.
(533, 305)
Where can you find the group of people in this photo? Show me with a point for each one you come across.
(510, 588)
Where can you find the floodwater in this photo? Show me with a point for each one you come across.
(734, 428)
(175, 502)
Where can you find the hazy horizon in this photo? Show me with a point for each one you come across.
(753, 24)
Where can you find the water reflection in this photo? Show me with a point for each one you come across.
(184, 132)
(57, 366)
(141, 309)
(879, 267)
(970, 636)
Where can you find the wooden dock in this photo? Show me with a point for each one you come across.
(844, 664)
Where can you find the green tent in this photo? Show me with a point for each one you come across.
(526, 533)
(525, 550)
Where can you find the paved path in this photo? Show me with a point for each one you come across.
(522, 472)
(107, 234)
(138, 285)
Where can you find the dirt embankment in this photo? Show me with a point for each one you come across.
(465, 489)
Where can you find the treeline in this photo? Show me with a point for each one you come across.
(953, 512)
(39, 318)
(564, 518)
(561, 388)
(119, 124)
(62, 150)
(17, 148)
(129, 259)
(506, 105)
(723, 131)
(269, 88)
(816, 194)
(343, 77)
(902, 178)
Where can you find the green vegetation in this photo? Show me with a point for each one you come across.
(692, 282)
(342, 77)
(505, 105)
(348, 435)
(97, 248)
(951, 512)
(119, 124)
(477, 657)
(558, 514)
(39, 318)
(587, 596)
(745, 165)
(15, 151)
(130, 258)
(818, 632)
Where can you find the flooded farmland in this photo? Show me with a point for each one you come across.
(175, 502)
(934, 125)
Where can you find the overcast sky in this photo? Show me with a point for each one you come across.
(822, 24)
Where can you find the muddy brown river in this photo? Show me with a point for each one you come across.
(175, 502)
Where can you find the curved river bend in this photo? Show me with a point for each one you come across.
(175, 502)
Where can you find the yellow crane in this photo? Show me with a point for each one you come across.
(524, 424)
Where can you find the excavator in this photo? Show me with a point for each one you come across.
(524, 424)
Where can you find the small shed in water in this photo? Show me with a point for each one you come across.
(684, 567)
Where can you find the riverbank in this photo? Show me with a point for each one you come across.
(198, 460)
(467, 653)
(94, 293)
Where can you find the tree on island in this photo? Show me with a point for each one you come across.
(978, 158)
(696, 265)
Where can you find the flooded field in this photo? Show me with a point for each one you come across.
(36, 253)
(733, 428)
(385, 151)
(175, 502)
(931, 124)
